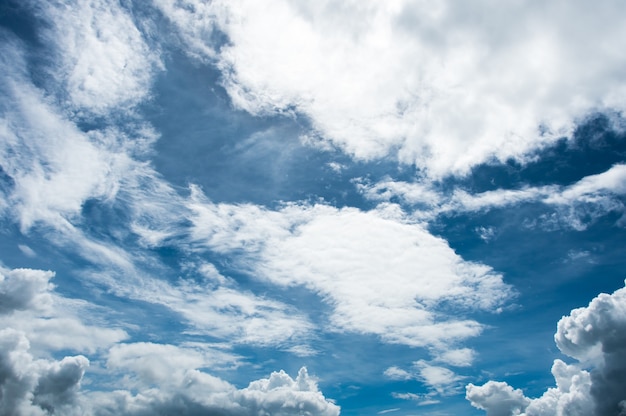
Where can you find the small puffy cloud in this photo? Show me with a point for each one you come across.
(497, 398)
(462, 357)
(22, 289)
(443, 380)
(28, 252)
(594, 335)
(396, 373)
(283, 396)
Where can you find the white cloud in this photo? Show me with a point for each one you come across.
(22, 289)
(419, 194)
(167, 380)
(439, 380)
(396, 373)
(102, 59)
(164, 364)
(497, 398)
(595, 336)
(576, 205)
(53, 165)
(380, 273)
(443, 380)
(50, 322)
(421, 399)
(444, 85)
(462, 357)
(28, 252)
(281, 395)
(233, 315)
(200, 393)
(168, 377)
(56, 168)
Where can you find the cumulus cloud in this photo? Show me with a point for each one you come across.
(445, 86)
(22, 289)
(189, 391)
(51, 322)
(36, 387)
(595, 336)
(398, 289)
(497, 398)
(167, 380)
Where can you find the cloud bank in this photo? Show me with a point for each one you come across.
(158, 378)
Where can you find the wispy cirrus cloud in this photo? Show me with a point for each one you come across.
(577, 204)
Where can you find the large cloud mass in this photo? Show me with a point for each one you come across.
(443, 85)
(596, 337)
(381, 272)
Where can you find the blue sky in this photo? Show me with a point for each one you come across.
(290, 208)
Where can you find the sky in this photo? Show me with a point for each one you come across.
(280, 207)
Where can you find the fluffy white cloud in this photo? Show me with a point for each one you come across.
(22, 289)
(497, 398)
(381, 273)
(168, 381)
(281, 395)
(594, 335)
(101, 57)
(462, 357)
(50, 322)
(443, 85)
